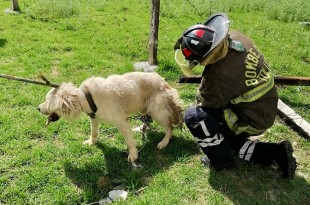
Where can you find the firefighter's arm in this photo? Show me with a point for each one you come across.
(216, 92)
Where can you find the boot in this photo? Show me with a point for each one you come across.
(285, 160)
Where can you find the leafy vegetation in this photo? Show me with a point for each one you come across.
(71, 40)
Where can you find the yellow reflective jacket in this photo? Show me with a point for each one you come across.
(243, 86)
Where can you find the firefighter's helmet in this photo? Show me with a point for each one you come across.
(199, 40)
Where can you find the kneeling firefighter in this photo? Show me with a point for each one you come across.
(238, 97)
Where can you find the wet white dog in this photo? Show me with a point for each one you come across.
(113, 99)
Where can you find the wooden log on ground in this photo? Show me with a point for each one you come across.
(279, 80)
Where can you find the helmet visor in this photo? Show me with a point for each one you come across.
(220, 23)
(185, 65)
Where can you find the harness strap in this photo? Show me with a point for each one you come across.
(91, 103)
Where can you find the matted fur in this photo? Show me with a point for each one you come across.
(116, 97)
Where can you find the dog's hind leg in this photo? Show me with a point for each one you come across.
(166, 139)
(164, 121)
(94, 132)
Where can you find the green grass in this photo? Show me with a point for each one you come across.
(75, 39)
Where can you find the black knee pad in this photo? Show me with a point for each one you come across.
(205, 127)
(193, 118)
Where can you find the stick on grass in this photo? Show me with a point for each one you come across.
(46, 83)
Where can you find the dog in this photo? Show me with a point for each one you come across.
(113, 99)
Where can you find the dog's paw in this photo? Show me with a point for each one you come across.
(89, 142)
(138, 129)
(162, 144)
(133, 155)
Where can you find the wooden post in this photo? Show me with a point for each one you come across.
(15, 6)
(153, 40)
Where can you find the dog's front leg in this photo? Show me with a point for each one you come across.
(127, 133)
(94, 132)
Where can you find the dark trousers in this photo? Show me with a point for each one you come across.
(219, 143)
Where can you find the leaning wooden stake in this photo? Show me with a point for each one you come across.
(293, 119)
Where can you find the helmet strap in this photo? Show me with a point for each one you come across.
(178, 44)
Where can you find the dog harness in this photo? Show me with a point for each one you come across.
(91, 103)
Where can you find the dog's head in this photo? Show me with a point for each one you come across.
(62, 101)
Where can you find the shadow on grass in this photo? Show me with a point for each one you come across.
(250, 184)
(2, 42)
(116, 169)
